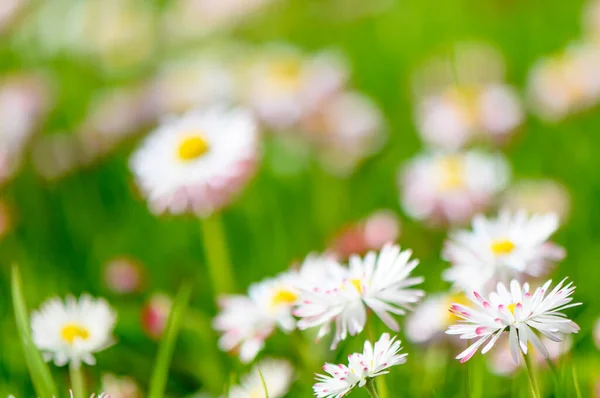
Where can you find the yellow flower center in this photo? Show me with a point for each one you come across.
(286, 73)
(357, 285)
(452, 170)
(283, 297)
(511, 308)
(72, 331)
(502, 246)
(192, 147)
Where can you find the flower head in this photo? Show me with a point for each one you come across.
(73, 330)
(372, 362)
(451, 187)
(277, 375)
(520, 313)
(496, 250)
(196, 163)
(381, 282)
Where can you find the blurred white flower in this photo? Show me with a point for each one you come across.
(283, 85)
(542, 196)
(247, 321)
(194, 82)
(9, 10)
(73, 330)
(345, 129)
(123, 275)
(565, 83)
(451, 187)
(498, 250)
(120, 386)
(198, 162)
(597, 333)
(372, 362)
(431, 318)
(23, 102)
(371, 233)
(189, 19)
(460, 114)
(277, 375)
(380, 282)
(520, 312)
(501, 363)
(120, 33)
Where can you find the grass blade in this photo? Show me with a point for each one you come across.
(38, 369)
(264, 384)
(158, 382)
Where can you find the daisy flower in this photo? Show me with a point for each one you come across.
(520, 313)
(513, 245)
(460, 114)
(284, 85)
(120, 386)
(155, 313)
(198, 162)
(277, 375)
(541, 196)
(246, 321)
(451, 187)
(380, 282)
(73, 330)
(372, 362)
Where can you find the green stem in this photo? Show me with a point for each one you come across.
(370, 386)
(217, 255)
(77, 382)
(535, 389)
(576, 383)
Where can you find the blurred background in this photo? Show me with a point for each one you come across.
(381, 82)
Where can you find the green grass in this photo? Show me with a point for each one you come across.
(66, 230)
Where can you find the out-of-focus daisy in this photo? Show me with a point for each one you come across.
(189, 19)
(501, 363)
(123, 275)
(520, 313)
(247, 321)
(451, 187)
(73, 330)
(542, 196)
(9, 10)
(458, 115)
(23, 101)
(372, 362)
(101, 395)
(120, 386)
(513, 245)
(277, 375)
(430, 319)
(345, 129)
(198, 162)
(155, 314)
(114, 31)
(284, 85)
(372, 233)
(190, 83)
(565, 83)
(378, 281)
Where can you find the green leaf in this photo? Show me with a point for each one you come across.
(160, 373)
(38, 369)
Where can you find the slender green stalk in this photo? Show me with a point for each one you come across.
(370, 386)
(576, 383)
(158, 381)
(264, 384)
(38, 370)
(217, 255)
(535, 389)
(77, 380)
